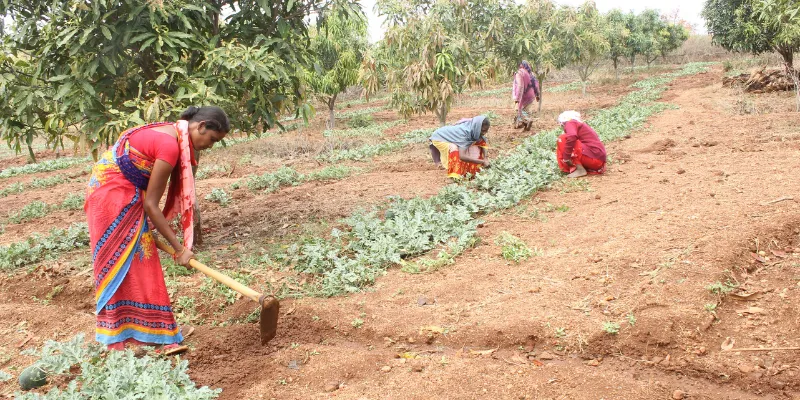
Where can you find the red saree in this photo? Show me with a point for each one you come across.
(132, 299)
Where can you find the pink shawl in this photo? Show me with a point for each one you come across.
(180, 197)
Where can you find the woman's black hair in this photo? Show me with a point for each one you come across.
(214, 117)
(485, 123)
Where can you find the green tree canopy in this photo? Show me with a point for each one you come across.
(584, 40)
(338, 51)
(755, 26)
(98, 67)
(435, 50)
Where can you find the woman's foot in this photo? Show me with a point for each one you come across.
(579, 172)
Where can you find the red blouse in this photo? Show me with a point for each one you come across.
(592, 146)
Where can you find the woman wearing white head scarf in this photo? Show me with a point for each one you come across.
(579, 150)
(463, 146)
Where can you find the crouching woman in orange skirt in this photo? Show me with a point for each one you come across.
(121, 203)
(464, 146)
(579, 150)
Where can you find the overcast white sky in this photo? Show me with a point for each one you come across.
(688, 10)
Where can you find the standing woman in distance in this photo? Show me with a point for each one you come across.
(122, 208)
(525, 90)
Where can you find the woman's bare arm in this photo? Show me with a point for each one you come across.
(155, 189)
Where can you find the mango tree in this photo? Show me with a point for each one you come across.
(99, 67)
(338, 50)
(435, 50)
(584, 41)
(783, 17)
(755, 26)
(534, 33)
(616, 33)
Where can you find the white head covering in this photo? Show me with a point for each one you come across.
(570, 115)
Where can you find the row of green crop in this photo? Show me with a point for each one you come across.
(362, 111)
(567, 87)
(38, 248)
(287, 176)
(366, 131)
(38, 209)
(371, 150)
(38, 183)
(44, 166)
(352, 258)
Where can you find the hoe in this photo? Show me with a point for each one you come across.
(268, 322)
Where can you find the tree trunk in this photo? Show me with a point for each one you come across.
(31, 154)
(332, 111)
(788, 56)
(616, 69)
(633, 62)
(443, 114)
(541, 94)
(583, 88)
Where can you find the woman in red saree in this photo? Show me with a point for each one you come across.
(122, 207)
(579, 150)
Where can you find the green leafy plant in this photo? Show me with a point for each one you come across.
(357, 323)
(14, 188)
(218, 196)
(611, 328)
(631, 319)
(38, 248)
(30, 211)
(216, 289)
(513, 248)
(271, 181)
(365, 131)
(44, 166)
(74, 201)
(50, 181)
(360, 121)
(113, 374)
(185, 309)
(333, 172)
(721, 288)
(207, 171)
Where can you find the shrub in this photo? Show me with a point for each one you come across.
(360, 121)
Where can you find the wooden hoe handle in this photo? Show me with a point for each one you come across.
(215, 275)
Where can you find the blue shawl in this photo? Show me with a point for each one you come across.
(463, 134)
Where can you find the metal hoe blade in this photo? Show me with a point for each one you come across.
(268, 323)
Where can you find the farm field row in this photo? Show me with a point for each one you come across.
(602, 262)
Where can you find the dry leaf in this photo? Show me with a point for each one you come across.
(482, 352)
(752, 310)
(758, 258)
(408, 355)
(537, 363)
(746, 296)
(778, 253)
(727, 344)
